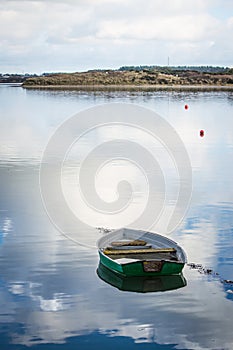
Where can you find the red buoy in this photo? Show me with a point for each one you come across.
(202, 133)
(186, 106)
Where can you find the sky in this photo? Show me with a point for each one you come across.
(39, 36)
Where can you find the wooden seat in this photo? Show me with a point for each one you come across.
(136, 242)
(138, 251)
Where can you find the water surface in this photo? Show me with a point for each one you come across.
(51, 295)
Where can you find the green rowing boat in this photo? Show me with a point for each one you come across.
(131, 252)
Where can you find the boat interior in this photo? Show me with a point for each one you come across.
(138, 250)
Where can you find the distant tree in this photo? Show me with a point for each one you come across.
(170, 69)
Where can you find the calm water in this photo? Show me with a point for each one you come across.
(50, 294)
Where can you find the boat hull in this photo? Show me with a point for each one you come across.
(137, 268)
(140, 284)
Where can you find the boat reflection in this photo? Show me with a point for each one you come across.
(142, 284)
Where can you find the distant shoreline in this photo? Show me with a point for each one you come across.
(133, 87)
(11, 84)
(165, 79)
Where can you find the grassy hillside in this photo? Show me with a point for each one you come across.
(132, 77)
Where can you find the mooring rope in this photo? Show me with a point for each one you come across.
(207, 271)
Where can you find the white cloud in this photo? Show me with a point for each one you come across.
(178, 28)
(71, 35)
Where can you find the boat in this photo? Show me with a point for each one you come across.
(140, 284)
(130, 252)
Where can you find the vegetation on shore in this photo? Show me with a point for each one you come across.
(138, 76)
(14, 78)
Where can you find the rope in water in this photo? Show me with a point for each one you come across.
(201, 269)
